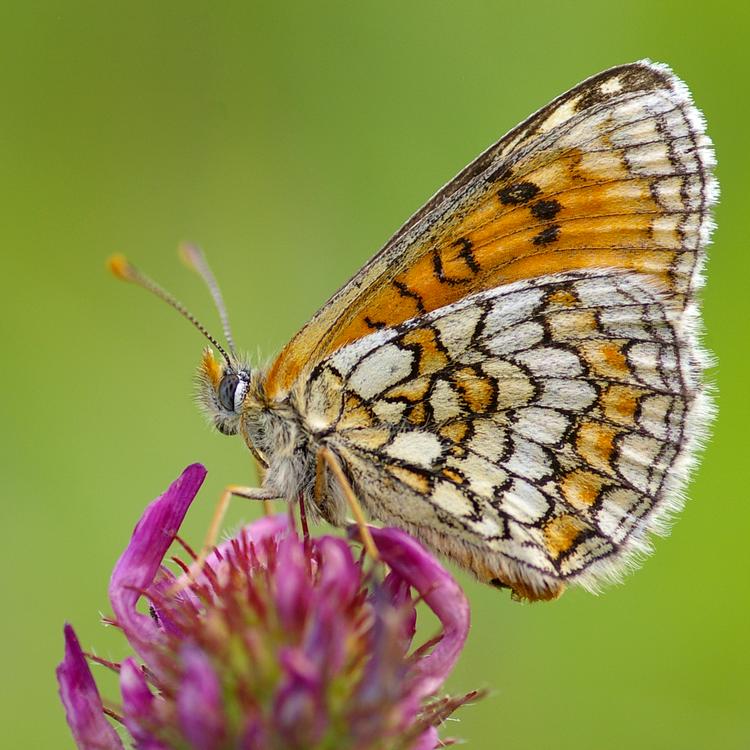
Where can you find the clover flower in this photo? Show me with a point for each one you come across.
(277, 643)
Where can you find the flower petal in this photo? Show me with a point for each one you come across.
(299, 714)
(428, 740)
(382, 705)
(199, 704)
(83, 705)
(138, 706)
(339, 574)
(139, 563)
(255, 735)
(399, 593)
(335, 587)
(411, 562)
(293, 590)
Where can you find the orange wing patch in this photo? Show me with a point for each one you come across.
(581, 488)
(615, 173)
(509, 236)
(595, 444)
(562, 533)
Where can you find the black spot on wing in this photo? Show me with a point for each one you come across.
(545, 209)
(518, 194)
(548, 235)
(376, 325)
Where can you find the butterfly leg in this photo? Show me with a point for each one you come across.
(231, 490)
(326, 456)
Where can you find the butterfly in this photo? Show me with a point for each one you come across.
(515, 378)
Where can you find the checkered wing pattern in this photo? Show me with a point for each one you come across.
(534, 432)
(515, 377)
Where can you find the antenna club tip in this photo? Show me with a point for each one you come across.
(210, 367)
(189, 254)
(120, 267)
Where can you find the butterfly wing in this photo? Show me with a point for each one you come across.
(534, 433)
(614, 173)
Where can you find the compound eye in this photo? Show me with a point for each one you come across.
(227, 389)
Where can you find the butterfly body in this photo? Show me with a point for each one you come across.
(515, 378)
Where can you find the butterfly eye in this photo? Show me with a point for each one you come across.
(227, 389)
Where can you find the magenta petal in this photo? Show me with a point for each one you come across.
(381, 689)
(255, 735)
(399, 593)
(410, 561)
(325, 639)
(138, 706)
(83, 705)
(293, 589)
(339, 576)
(428, 740)
(298, 709)
(139, 563)
(334, 590)
(199, 704)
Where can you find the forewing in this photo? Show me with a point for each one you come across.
(614, 173)
(535, 433)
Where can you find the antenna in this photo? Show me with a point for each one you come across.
(195, 260)
(124, 270)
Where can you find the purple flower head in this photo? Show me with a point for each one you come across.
(278, 642)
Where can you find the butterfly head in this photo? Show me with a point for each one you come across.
(222, 388)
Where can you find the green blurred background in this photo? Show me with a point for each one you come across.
(290, 140)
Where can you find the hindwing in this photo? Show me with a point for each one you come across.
(535, 432)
